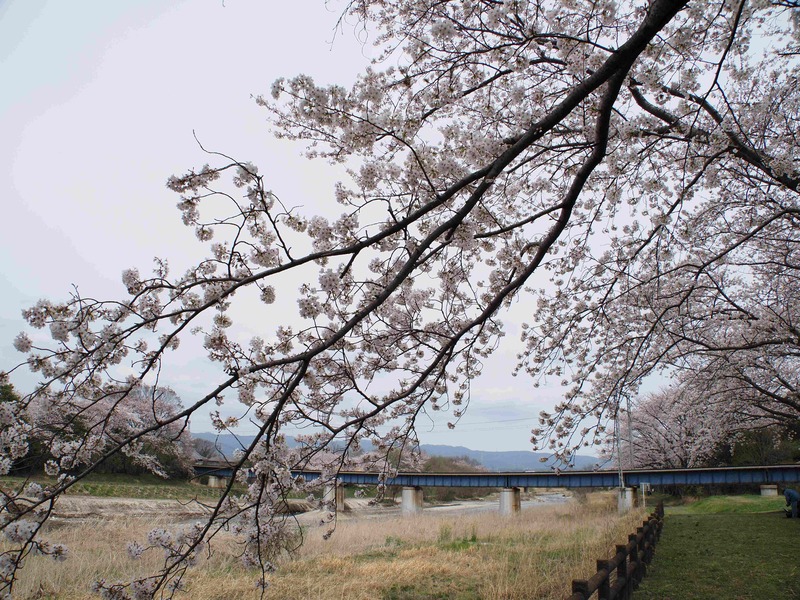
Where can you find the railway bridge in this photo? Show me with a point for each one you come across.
(511, 483)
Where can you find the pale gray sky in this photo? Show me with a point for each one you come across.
(98, 102)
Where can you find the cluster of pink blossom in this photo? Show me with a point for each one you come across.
(618, 148)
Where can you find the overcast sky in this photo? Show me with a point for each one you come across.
(98, 104)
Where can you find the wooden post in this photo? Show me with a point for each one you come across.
(604, 590)
(581, 586)
(640, 555)
(650, 539)
(622, 571)
(633, 569)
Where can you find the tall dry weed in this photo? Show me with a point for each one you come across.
(462, 556)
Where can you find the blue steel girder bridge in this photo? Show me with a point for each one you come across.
(571, 479)
(511, 483)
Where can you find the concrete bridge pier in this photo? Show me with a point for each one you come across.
(411, 500)
(334, 494)
(510, 501)
(215, 481)
(626, 499)
(769, 490)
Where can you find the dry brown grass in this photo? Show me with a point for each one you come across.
(478, 556)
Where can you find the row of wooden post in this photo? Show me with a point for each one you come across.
(617, 577)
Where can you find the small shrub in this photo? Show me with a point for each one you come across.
(445, 533)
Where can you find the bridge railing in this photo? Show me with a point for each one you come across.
(617, 577)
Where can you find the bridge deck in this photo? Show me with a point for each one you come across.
(731, 475)
(773, 474)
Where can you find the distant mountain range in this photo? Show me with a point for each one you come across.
(519, 460)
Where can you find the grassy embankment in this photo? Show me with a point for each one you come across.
(471, 556)
(127, 486)
(738, 547)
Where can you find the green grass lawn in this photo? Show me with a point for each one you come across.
(745, 503)
(733, 547)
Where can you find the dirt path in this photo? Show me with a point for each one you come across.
(361, 509)
(73, 509)
(82, 508)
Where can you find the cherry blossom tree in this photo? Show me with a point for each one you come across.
(740, 336)
(698, 421)
(671, 429)
(698, 279)
(491, 146)
(732, 346)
